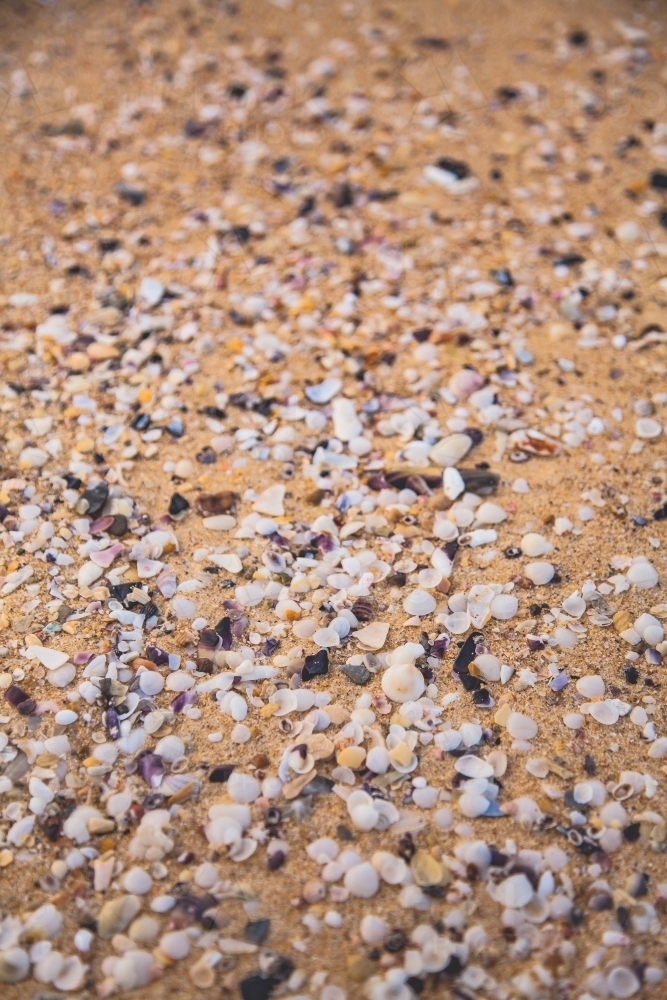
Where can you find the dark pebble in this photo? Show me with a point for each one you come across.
(178, 505)
(221, 773)
(134, 196)
(458, 168)
(93, 499)
(658, 180)
(316, 665)
(357, 673)
(257, 931)
(118, 526)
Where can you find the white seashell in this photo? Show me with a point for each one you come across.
(504, 607)
(390, 868)
(118, 804)
(464, 382)
(573, 720)
(362, 880)
(49, 658)
(452, 483)
(403, 682)
(305, 628)
(14, 964)
(377, 760)
(458, 623)
(534, 545)
(346, 423)
(604, 712)
(521, 727)
(116, 915)
(151, 682)
(488, 666)
(136, 880)
(591, 686)
(429, 578)
(373, 930)
(649, 628)
(324, 391)
(490, 513)
(44, 923)
(574, 605)
(647, 428)
(419, 602)
(63, 676)
(175, 945)
(217, 522)
(450, 450)
(270, 502)
(514, 892)
(538, 767)
(479, 604)
(621, 981)
(473, 767)
(170, 748)
(642, 574)
(372, 636)
(472, 804)
(243, 788)
(76, 825)
(540, 572)
(326, 637)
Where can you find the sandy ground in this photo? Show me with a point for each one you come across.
(162, 59)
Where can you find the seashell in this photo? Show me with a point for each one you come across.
(426, 870)
(535, 545)
(486, 666)
(420, 603)
(43, 924)
(213, 504)
(521, 727)
(389, 867)
(14, 965)
(170, 748)
(202, 973)
(473, 804)
(403, 682)
(326, 637)
(346, 423)
(540, 573)
(623, 791)
(642, 574)
(362, 880)
(646, 428)
(473, 767)
(604, 712)
(373, 929)
(450, 450)
(514, 892)
(243, 788)
(533, 442)
(271, 501)
(574, 605)
(591, 686)
(452, 483)
(464, 382)
(479, 604)
(324, 391)
(372, 636)
(622, 982)
(116, 915)
(490, 513)
(458, 623)
(573, 720)
(498, 761)
(504, 606)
